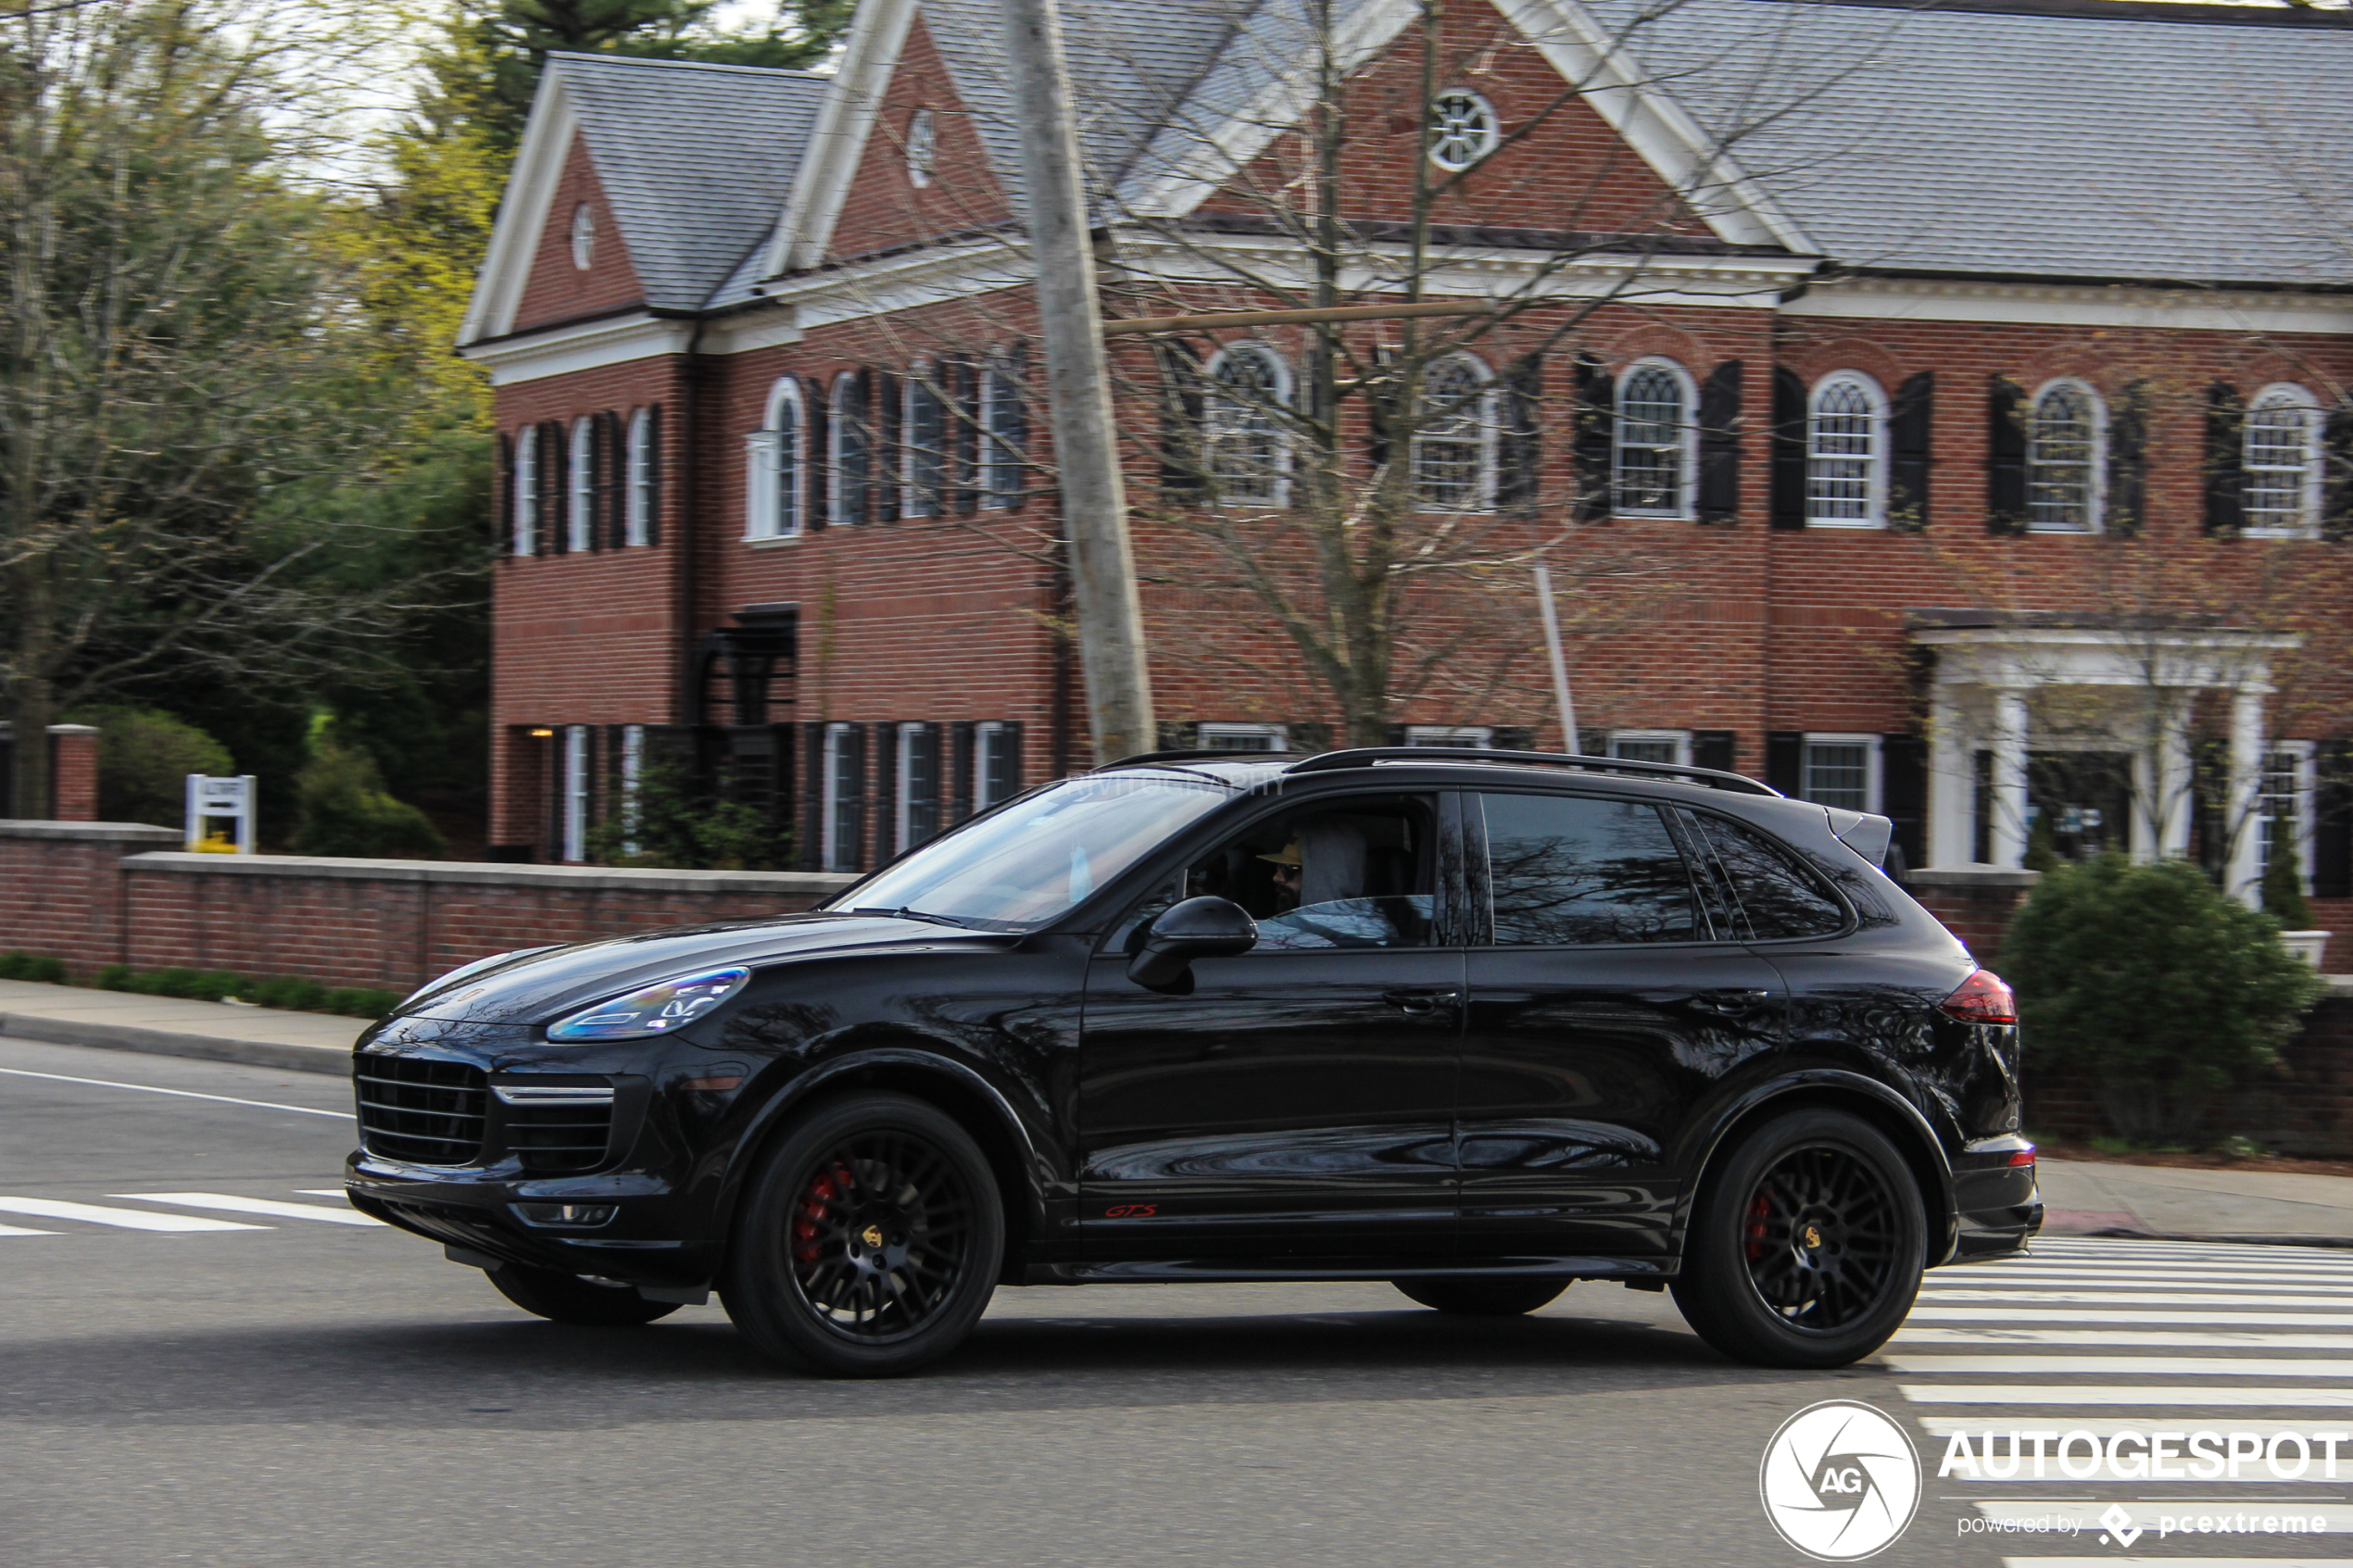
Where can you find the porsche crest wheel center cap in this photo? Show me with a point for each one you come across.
(872, 1235)
(1813, 1235)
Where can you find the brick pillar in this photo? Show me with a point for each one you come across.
(74, 774)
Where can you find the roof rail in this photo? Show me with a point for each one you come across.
(1147, 758)
(1365, 756)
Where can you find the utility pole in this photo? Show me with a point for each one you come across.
(1560, 665)
(1094, 501)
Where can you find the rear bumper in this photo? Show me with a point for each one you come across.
(1999, 1206)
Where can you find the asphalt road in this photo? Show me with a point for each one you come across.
(308, 1392)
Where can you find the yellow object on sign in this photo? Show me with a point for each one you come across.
(222, 843)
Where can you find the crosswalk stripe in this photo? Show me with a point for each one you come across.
(271, 1206)
(128, 1219)
(2172, 1561)
(2167, 1273)
(2102, 1427)
(2122, 1314)
(2173, 1394)
(2140, 1296)
(325, 1192)
(2122, 1366)
(2152, 1338)
(20, 1229)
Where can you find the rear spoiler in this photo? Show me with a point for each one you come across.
(1866, 834)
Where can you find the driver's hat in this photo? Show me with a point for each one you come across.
(1287, 855)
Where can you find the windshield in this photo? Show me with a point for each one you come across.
(1033, 861)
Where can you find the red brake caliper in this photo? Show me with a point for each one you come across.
(1758, 1212)
(828, 1185)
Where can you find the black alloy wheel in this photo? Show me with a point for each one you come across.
(1471, 1296)
(870, 1240)
(562, 1297)
(1807, 1245)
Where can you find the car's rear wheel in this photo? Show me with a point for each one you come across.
(1806, 1244)
(869, 1241)
(563, 1298)
(1471, 1296)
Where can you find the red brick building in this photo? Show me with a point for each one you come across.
(1970, 382)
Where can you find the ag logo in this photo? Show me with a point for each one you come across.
(1840, 1481)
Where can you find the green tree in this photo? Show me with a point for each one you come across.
(345, 810)
(669, 822)
(2154, 983)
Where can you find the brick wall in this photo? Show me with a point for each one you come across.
(61, 887)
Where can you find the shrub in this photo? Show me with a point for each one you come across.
(671, 824)
(293, 993)
(2284, 884)
(344, 809)
(32, 965)
(145, 758)
(113, 977)
(2151, 980)
(359, 1001)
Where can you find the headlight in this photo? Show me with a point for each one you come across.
(662, 1008)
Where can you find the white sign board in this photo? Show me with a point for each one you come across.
(233, 801)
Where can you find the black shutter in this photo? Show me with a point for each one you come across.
(1016, 433)
(2128, 461)
(890, 462)
(1175, 734)
(2005, 457)
(1514, 737)
(1380, 390)
(1595, 436)
(1010, 769)
(1716, 748)
(817, 492)
(2332, 822)
(960, 771)
(1591, 742)
(1911, 439)
(617, 480)
(1903, 797)
(549, 533)
(1521, 456)
(1788, 508)
(1182, 410)
(502, 507)
(1720, 443)
(964, 425)
(2225, 459)
(1309, 736)
(887, 844)
(2336, 490)
(919, 785)
(600, 455)
(873, 466)
(653, 474)
(812, 800)
(1785, 761)
(849, 819)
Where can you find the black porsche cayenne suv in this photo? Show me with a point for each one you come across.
(1480, 1023)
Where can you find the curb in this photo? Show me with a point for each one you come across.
(164, 1042)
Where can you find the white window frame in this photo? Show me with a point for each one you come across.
(1684, 507)
(903, 808)
(1874, 462)
(1000, 460)
(575, 796)
(920, 382)
(583, 236)
(2287, 394)
(1679, 739)
(1477, 133)
(773, 467)
(829, 800)
(923, 148)
(526, 491)
(1279, 482)
(837, 432)
(2096, 481)
(2306, 787)
(636, 507)
(1483, 411)
(1209, 734)
(1452, 737)
(985, 734)
(632, 770)
(1874, 773)
(580, 487)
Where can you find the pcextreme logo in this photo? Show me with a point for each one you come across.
(1840, 1481)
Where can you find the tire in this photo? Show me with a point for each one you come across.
(562, 1297)
(868, 1241)
(1756, 1287)
(1469, 1296)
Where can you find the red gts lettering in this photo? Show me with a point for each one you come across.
(1132, 1211)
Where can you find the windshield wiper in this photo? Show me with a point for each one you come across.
(905, 914)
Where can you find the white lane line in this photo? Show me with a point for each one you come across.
(233, 1205)
(183, 1094)
(20, 1229)
(2082, 1314)
(2172, 1561)
(129, 1219)
(2122, 1366)
(2151, 1339)
(2151, 1396)
(2131, 1296)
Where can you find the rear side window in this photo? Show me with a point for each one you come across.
(1780, 897)
(1567, 869)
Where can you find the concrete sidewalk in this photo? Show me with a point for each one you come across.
(68, 1015)
(2085, 1198)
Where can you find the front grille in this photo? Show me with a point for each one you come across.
(423, 1112)
(553, 1140)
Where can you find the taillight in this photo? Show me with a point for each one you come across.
(1982, 998)
(2022, 1156)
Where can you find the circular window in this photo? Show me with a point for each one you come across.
(584, 235)
(923, 147)
(1461, 129)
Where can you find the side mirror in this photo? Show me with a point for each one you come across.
(1197, 928)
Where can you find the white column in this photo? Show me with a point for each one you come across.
(1952, 784)
(2244, 877)
(2009, 779)
(2175, 779)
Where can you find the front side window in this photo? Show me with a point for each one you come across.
(1846, 453)
(580, 510)
(1655, 441)
(2062, 459)
(1566, 869)
(1246, 450)
(2283, 462)
(1032, 864)
(1777, 898)
(926, 448)
(1454, 437)
(1842, 771)
(1360, 872)
(853, 450)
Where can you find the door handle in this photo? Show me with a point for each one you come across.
(1420, 1002)
(1732, 998)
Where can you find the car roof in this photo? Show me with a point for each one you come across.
(1553, 768)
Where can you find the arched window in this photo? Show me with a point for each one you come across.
(1454, 436)
(2283, 458)
(526, 490)
(853, 439)
(1846, 453)
(1461, 129)
(773, 465)
(639, 498)
(1246, 450)
(1005, 424)
(579, 498)
(2065, 436)
(924, 474)
(1655, 452)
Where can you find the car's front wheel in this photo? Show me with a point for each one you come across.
(1806, 1244)
(1471, 1296)
(869, 1241)
(562, 1297)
